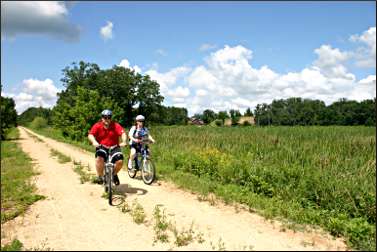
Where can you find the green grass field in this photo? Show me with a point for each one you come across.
(17, 190)
(324, 176)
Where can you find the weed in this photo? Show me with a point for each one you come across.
(15, 245)
(85, 175)
(183, 237)
(61, 157)
(137, 212)
(161, 225)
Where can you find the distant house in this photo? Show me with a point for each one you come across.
(195, 121)
(242, 120)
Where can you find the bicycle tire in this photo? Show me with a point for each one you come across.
(151, 170)
(110, 178)
(132, 172)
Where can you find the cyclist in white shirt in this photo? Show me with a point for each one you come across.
(136, 134)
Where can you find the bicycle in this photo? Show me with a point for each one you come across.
(109, 172)
(143, 160)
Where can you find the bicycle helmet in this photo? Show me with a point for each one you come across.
(107, 112)
(140, 118)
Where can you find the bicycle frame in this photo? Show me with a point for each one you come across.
(109, 172)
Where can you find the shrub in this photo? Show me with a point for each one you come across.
(38, 123)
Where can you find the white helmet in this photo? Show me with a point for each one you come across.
(140, 118)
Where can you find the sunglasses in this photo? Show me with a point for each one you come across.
(106, 117)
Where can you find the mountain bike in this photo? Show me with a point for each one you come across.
(109, 172)
(142, 162)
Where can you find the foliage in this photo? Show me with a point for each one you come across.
(296, 111)
(133, 93)
(28, 115)
(15, 245)
(248, 112)
(8, 115)
(208, 116)
(75, 121)
(38, 123)
(168, 116)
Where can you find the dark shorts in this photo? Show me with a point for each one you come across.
(138, 147)
(116, 154)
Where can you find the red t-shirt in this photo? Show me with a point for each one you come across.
(109, 136)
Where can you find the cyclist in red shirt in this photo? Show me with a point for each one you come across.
(103, 135)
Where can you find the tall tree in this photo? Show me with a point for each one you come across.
(8, 115)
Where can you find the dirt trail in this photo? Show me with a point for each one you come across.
(75, 216)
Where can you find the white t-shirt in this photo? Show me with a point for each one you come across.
(137, 133)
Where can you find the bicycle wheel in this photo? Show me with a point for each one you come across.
(109, 184)
(148, 171)
(132, 172)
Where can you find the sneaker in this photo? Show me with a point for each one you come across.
(116, 179)
(129, 165)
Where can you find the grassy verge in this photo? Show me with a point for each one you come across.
(17, 191)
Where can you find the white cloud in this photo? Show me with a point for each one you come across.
(35, 93)
(107, 31)
(227, 80)
(126, 64)
(366, 56)
(169, 78)
(37, 17)
(179, 92)
(364, 89)
(201, 92)
(206, 47)
(330, 61)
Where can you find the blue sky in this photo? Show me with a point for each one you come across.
(159, 37)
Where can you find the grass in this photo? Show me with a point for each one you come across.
(17, 189)
(83, 172)
(321, 176)
(137, 212)
(163, 227)
(15, 245)
(61, 157)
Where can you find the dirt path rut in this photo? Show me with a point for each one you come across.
(75, 216)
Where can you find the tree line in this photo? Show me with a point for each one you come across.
(298, 111)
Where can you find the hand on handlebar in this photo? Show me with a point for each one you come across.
(123, 144)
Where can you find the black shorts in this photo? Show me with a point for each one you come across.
(116, 153)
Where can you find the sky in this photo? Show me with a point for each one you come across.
(204, 55)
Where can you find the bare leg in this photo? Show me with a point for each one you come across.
(118, 166)
(132, 155)
(100, 163)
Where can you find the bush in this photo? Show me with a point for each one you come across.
(217, 123)
(246, 123)
(38, 123)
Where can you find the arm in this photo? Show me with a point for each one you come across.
(124, 140)
(151, 138)
(93, 140)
